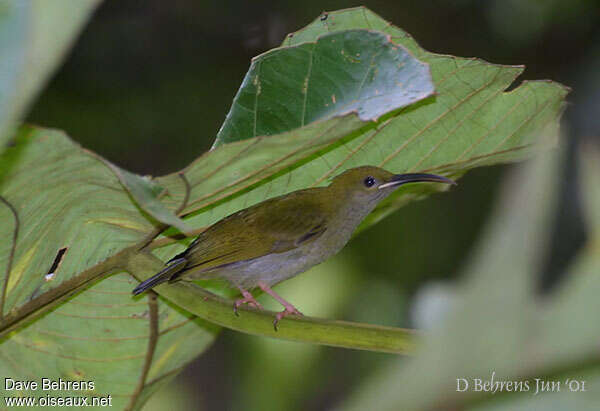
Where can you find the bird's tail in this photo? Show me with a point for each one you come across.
(173, 267)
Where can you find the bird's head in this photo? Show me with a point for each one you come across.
(370, 184)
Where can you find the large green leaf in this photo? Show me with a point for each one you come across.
(497, 323)
(472, 121)
(55, 196)
(127, 348)
(63, 197)
(34, 36)
(337, 74)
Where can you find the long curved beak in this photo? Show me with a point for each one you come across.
(400, 179)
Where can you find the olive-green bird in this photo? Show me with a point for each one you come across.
(279, 238)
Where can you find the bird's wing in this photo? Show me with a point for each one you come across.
(294, 220)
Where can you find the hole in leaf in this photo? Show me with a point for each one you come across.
(515, 83)
(57, 260)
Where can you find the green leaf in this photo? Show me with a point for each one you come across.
(34, 37)
(64, 197)
(498, 324)
(339, 73)
(55, 195)
(472, 121)
(127, 348)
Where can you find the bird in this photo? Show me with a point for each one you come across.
(281, 237)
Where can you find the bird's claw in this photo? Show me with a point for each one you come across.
(248, 299)
(291, 310)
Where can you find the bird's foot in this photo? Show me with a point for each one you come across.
(247, 299)
(289, 308)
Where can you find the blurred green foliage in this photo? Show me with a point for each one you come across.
(29, 54)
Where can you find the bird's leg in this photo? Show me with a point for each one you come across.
(248, 299)
(289, 308)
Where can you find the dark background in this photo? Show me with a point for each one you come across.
(149, 83)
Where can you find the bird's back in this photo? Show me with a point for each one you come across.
(278, 231)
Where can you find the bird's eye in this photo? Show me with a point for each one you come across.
(369, 181)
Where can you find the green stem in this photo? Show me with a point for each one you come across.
(257, 322)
